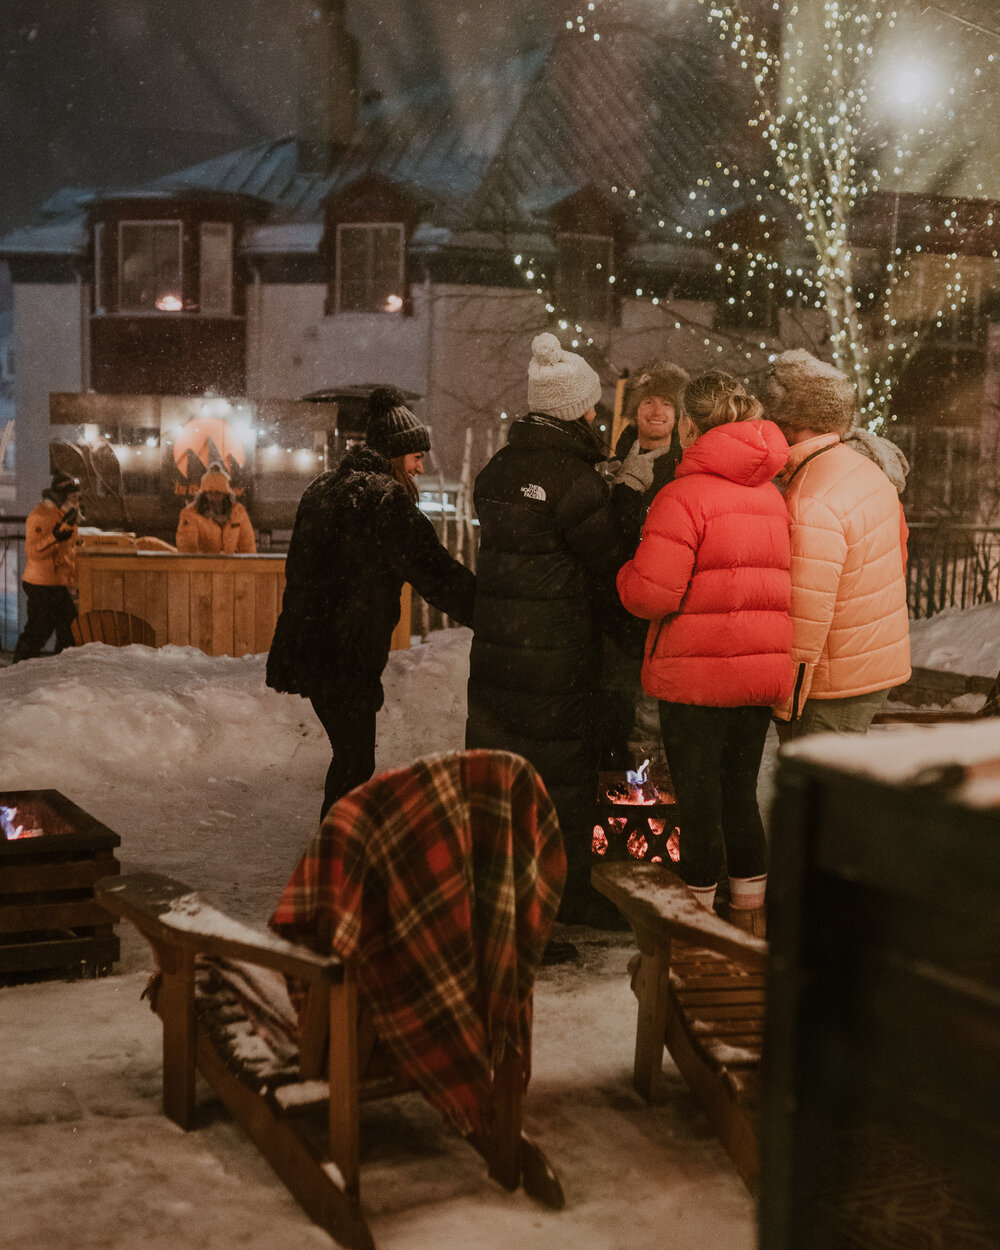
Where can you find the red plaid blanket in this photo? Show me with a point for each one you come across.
(442, 880)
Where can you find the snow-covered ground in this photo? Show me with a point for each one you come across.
(212, 778)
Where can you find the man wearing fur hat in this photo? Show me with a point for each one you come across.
(553, 534)
(214, 522)
(50, 568)
(851, 640)
(652, 402)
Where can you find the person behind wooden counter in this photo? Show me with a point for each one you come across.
(214, 522)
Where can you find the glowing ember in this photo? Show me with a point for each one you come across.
(13, 832)
(599, 845)
(674, 845)
(637, 845)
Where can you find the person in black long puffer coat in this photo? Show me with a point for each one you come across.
(358, 536)
(552, 537)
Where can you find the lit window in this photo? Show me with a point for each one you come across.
(370, 267)
(586, 263)
(149, 266)
(215, 272)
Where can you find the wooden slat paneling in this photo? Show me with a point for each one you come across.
(201, 611)
(178, 608)
(244, 612)
(221, 641)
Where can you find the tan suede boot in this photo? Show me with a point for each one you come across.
(749, 919)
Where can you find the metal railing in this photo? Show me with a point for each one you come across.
(951, 566)
(11, 566)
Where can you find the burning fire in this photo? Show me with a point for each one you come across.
(637, 790)
(11, 831)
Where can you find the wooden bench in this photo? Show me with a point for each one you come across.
(700, 986)
(298, 1103)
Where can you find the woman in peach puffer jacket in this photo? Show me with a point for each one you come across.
(851, 629)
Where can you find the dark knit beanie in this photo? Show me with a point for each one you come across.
(392, 429)
(62, 484)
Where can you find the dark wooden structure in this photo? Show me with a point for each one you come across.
(880, 1108)
(304, 1116)
(49, 920)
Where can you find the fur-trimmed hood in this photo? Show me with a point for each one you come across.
(808, 394)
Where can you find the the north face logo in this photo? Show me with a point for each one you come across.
(531, 491)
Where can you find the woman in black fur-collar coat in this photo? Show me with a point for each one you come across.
(358, 536)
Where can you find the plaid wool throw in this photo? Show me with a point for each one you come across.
(441, 880)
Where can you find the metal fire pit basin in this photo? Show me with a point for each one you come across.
(636, 818)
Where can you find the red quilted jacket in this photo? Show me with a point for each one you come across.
(711, 574)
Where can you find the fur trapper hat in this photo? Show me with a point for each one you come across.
(808, 394)
(393, 430)
(215, 477)
(662, 379)
(560, 383)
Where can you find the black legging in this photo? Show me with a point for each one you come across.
(349, 722)
(50, 610)
(714, 755)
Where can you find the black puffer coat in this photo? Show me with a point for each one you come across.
(357, 538)
(552, 538)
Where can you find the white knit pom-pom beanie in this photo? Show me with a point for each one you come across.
(560, 384)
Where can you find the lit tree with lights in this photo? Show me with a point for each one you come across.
(813, 91)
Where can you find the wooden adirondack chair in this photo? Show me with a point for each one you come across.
(117, 629)
(303, 1115)
(700, 986)
(477, 839)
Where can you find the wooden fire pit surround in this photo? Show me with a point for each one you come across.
(51, 853)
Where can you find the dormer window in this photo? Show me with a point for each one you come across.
(370, 267)
(586, 263)
(149, 266)
(368, 226)
(215, 268)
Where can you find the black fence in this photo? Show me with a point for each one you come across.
(11, 566)
(952, 566)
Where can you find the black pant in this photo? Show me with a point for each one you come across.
(349, 722)
(714, 755)
(50, 609)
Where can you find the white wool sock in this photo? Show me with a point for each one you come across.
(705, 894)
(747, 893)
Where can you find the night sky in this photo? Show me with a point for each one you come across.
(113, 92)
(116, 91)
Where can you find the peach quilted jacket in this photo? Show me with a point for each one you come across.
(849, 619)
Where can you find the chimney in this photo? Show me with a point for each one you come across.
(327, 104)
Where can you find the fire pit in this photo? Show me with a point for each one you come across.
(637, 816)
(51, 853)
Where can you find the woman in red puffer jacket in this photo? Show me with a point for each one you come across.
(711, 575)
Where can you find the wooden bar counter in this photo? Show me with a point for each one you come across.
(221, 604)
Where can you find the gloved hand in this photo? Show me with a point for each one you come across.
(637, 468)
(63, 528)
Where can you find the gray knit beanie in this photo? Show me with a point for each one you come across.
(808, 394)
(392, 428)
(560, 384)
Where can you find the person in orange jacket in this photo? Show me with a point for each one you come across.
(214, 523)
(851, 641)
(50, 568)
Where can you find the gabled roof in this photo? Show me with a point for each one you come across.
(648, 112)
